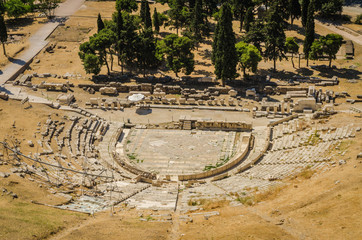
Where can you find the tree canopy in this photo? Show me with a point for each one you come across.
(126, 5)
(178, 53)
(328, 45)
(248, 57)
(291, 47)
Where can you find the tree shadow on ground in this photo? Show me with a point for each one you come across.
(143, 111)
(17, 61)
(203, 72)
(202, 63)
(300, 30)
(340, 73)
(15, 24)
(206, 54)
(305, 71)
(284, 75)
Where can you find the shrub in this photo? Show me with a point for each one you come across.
(358, 19)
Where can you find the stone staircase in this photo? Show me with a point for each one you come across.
(187, 125)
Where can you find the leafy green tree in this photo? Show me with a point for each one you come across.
(274, 36)
(48, 6)
(99, 45)
(309, 31)
(178, 13)
(92, 64)
(126, 5)
(3, 33)
(305, 4)
(239, 8)
(249, 18)
(329, 8)
(178, 53)
(16, 8)
(256, 34)
(328, 45)
(291, 47)
(248, 57)
(156, 21)
(100, 23)
(224, 52)
(294, 10)
(358, 19)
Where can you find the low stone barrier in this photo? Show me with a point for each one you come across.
(221, 169)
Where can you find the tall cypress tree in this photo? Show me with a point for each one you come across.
(156, 21)
(142, 10)
(225, 57)
(309, 31)
(305, 4)
(249, 18)
(100, 23)
(3, 33)
(119, 29)
(148, 20)
(274, 35)
(197, 21)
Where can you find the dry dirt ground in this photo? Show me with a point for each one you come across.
(321, 205)
(83, 24)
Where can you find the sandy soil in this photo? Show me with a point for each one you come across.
(19, 32)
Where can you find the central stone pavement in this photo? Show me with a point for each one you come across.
(177, 152)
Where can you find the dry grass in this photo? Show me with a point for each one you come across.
(24, 220)
(208, 204)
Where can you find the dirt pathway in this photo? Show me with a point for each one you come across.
(39, 40)
(356, 39)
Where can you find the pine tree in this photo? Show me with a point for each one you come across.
(274, 35)
(3, 33)
(305, 4)
(177, 13)
(156, 21)
(249, 18)
(178, 53)
(256, 34)
(148, 20)
(240, 7)
(225, 56)
(100, 23)
(294, 10)
(309, 31)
